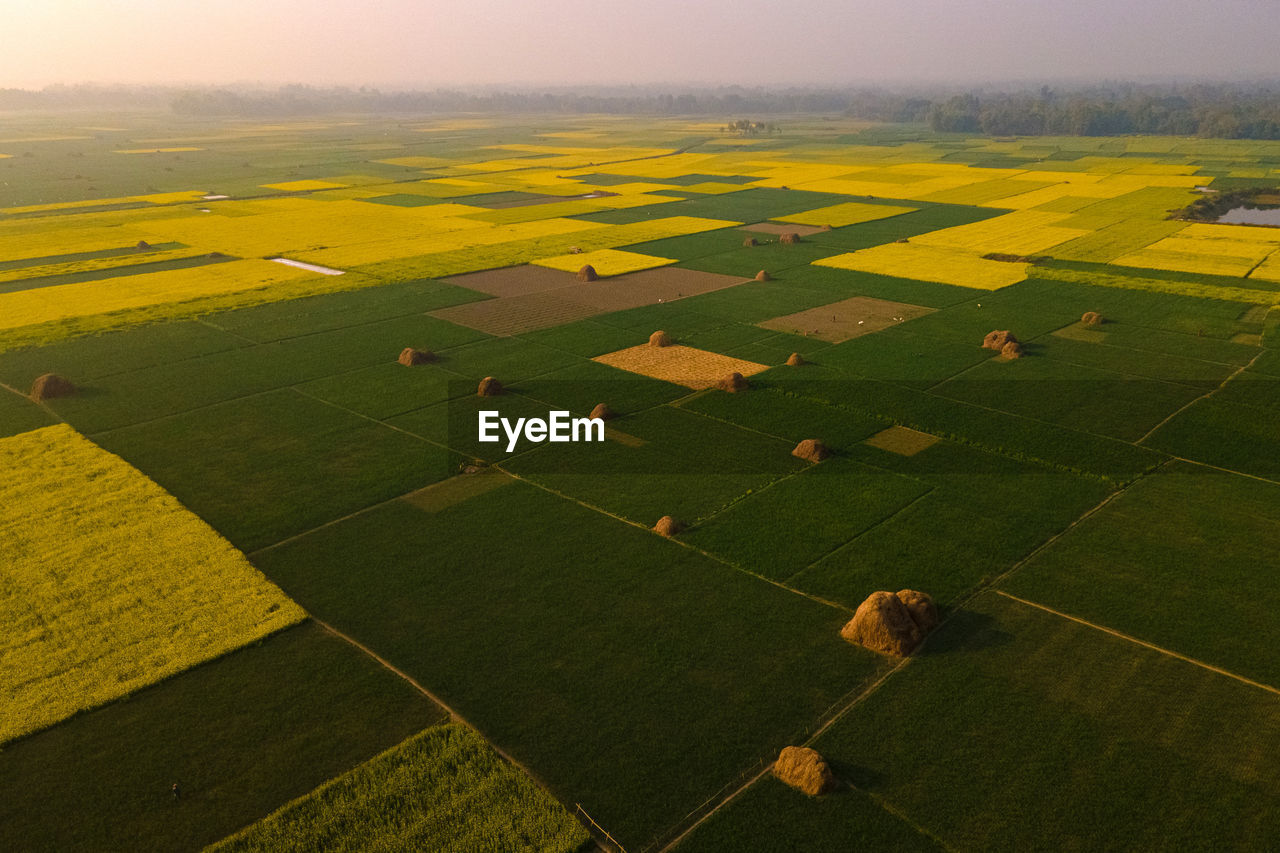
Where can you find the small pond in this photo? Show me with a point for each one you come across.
(1251, 216)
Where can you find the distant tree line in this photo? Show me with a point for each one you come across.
(1233, 111)
(1220, 111)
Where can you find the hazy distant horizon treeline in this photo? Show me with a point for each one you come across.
(1224, 110)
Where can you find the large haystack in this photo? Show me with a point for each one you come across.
(489, 387)
(603, 412)
(812, 450)
(1092, 318)
(887, 624)
(668, 526)
(790, 238)
(660, 339)
(795, 360)
(587, 273)
(763, 275)
(920, 608)
(410, 356)
(805, 770)
(749, 242)
(51, 385)
(1013, 349)
(996, 340)
(733, 383)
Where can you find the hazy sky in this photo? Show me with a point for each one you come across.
(427, 43)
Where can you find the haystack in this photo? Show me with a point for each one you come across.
(660, 339)
(812, 450)
(920, 608)
(883, 624)
(51, 385)
(603, 412)
(142, 246)
(997, 340)
(892, 623)
(805, 770)
(733, 383)
(795, 360)
(763, 275)
(1092, 318)
(749, 242)
(489, 387)
(789, 238)
(574, 250)
(1013, 349)
(587, 273)
(410, 356)
(826, 228)
(668, 526)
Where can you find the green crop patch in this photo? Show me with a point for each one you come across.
(1072, 395)
(291, 318)
(1231, 435)
(846, 819)
(981, 515)
(976, 740)
(240, 737)
(1207, 535)
(794, 522)
(639, 725)
(18, 414)
(83, 359)
(271, 466)
(444, 789)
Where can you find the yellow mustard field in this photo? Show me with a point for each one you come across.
(849, 213)
(930, 263)
(605, 262)
(46, 304)
(108, 583)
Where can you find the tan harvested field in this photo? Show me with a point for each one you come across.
(538, 298)
(515, 281)
(781, 228)
(516, 314)
(455, 490)
(693, 368)
(903, 441)
(849, 318)
(1081, 332)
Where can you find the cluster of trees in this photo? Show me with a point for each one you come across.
(746, 127)
(1220, 111)
(1234, 111)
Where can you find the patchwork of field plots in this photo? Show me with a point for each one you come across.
(1093, 519)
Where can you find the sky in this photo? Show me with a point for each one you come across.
(425, 43)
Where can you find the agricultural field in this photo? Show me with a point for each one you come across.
(256, 546)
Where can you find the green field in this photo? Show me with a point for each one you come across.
(1095, 519)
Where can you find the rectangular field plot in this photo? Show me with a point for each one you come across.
(1016, 724)
(444, 789)
(1184, 559)
(850, 318)
(980, 515)
(273, 465)
(849, 213)
(530, 302)
(944, 265)
(550, 644)
(780, 530)
(693, 368)
(241, 736)
(109, 583)
(1226, 433)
